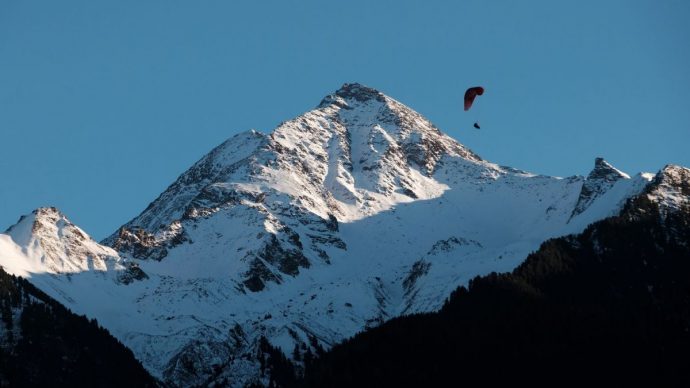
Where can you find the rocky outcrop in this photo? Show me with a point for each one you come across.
(598, 182)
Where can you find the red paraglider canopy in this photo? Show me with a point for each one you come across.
(470, 94)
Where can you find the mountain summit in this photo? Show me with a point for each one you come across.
(57, 246)
(598, 182)
(358, 154)
(355, 212)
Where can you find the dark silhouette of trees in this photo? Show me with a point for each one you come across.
(607, 307)
(55, 348)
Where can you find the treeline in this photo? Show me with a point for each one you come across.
(43, 344)
(608, 307)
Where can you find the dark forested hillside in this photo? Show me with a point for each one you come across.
(42, 344)
(608, 307)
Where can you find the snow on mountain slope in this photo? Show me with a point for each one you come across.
(53, 245)
(346, 216)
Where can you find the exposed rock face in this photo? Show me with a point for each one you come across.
(598, 182)
(671, 188)
(131, 273)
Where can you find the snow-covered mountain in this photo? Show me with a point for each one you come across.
(353, 213)
(45, 242)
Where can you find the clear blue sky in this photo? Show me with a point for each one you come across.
(104, 104)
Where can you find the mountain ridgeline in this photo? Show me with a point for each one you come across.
(607, 307)
(276, 247)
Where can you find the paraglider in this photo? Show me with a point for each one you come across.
(470, 94)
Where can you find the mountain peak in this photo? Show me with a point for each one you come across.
(675, 174)
(48, 216)
(359, 92)
(670, 188)
(53, 244)
(352, 92)
(358, 154)
(598, 182)
(34, 223)
(48, 211)
(603, 170)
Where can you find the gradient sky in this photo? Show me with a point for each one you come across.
(104, 104)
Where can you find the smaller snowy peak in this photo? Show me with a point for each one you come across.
(45, 241)
(599, 181)
(670, 188)
(604, 171)
(43, 222)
